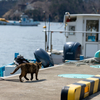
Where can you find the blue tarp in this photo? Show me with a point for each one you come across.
(2, 69)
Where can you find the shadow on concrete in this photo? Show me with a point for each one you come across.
(33, 81)
(12, 80)
(92, 96)
(1, 79)
(24, 81)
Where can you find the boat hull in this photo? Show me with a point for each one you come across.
(19, 24)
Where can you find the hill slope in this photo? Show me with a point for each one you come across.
(55, 8)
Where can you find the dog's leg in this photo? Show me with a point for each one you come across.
(31, 76)
(26, 77)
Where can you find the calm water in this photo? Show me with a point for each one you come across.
(25, 40)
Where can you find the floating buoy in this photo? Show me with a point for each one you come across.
(44, 26)
(97, 54)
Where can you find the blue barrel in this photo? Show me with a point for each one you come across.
(81, 57)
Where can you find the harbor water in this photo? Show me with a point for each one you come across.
(26, 39)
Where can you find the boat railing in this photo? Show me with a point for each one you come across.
(48, 41)
(69, 31)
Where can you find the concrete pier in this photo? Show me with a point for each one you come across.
(49, 85)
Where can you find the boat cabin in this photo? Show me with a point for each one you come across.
(26, 19)
(85, 29)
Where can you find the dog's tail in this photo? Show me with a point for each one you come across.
(15, 69)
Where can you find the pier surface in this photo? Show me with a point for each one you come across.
(49, 85)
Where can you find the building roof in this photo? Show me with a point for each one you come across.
(68, 17)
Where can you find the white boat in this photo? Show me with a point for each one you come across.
(81, 28)
(24, 21)
(82, 33)
(7, 69)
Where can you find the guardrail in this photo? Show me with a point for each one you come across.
(81, 89)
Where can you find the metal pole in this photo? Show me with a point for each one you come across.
(68, 15)
(48, 34)
(51, 43)
(45, 41)
(45, 32)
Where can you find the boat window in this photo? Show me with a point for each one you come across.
(71, 19)
(93, 27)
(72, 28)
(92, 37)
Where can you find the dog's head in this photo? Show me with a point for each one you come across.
(39, 64)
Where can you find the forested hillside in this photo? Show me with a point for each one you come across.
(55, 8)
(5, 6)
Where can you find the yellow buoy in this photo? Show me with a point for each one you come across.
(44, 26)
